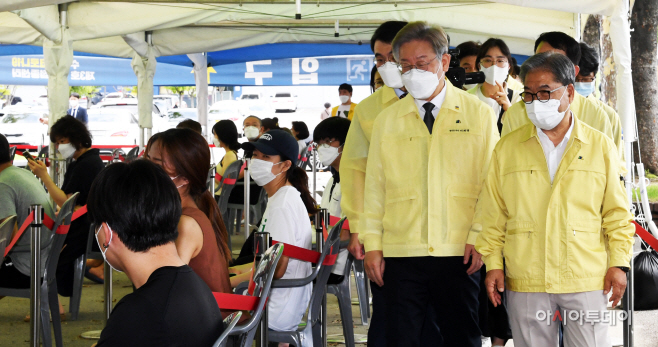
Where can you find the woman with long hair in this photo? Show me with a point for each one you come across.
(225, 136)
(286, 218)
(202, 237)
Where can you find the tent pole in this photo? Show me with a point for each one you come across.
(200, 61)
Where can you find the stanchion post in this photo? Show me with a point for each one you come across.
(107, 287)
(320, 218)
(247, 187)
(35, 274)
(629, 306)
(315, 164)
(212, 182)
(262, 242)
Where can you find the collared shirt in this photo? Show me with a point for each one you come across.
(437, 101)
(399, 92)
(553, 153)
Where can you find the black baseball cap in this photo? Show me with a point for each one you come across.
(275, 142)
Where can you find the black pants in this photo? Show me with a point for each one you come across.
(494, 321)
(12, 278)
(377, 329)
(431, 296)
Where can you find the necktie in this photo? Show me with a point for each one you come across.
(429, 118)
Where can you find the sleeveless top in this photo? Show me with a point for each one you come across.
(209, 264)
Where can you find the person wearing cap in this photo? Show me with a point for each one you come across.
(79, 113)
(274, 167)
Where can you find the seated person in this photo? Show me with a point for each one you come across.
(270, 124)
(225, 136)
(190, 124)
(252, 128)
(286, 218)
(18, 190)
(136, 208)
(301, 133)
(202, 241)
(330, 136)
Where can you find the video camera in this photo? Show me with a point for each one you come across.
(457, 75)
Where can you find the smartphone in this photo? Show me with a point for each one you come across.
(28, 156)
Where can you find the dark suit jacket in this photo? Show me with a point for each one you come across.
(81, 115)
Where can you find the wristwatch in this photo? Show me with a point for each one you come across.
(624, 268)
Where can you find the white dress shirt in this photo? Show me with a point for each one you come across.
(553, 153)
(437, 101)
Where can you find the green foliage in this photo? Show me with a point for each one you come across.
(84, 90)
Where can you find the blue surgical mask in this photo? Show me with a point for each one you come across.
(584, 88)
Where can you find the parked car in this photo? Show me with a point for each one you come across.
(24, 128)
(284, 102)
(255, 104)
(113, 126)
(170, 100)
(118, 95)
(227, 109)
(129, 104)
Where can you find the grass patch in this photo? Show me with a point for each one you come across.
(652, 192)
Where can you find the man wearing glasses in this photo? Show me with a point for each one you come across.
(587, 111)
(426, 166)
(554, 209)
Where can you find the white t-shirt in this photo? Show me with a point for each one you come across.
(331, 201)
(287, 221)
(302, 145)
(343, 110)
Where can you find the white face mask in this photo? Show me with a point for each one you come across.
(216, 142)
(106, 246)
(493, 74)
(328, 154)
(173, 178)
(470, 86)
(391, 75)
(73, 103)
(420, 84)
(66, 150)
(261, 171)
(343, 98)
(545, 115)
(251, 132)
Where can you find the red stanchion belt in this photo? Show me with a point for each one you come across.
(304, 254)
(236, 301)
(48, 223)
(334, 220)
(26, 224)
(646, 236)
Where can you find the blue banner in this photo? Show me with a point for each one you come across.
(100, 71)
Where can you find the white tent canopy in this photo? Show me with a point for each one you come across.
(107, 27)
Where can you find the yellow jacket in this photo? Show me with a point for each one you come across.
(615, 123)
(355, 153)
(514, 84)
(421, 190)
(350, 114)
(555, 238)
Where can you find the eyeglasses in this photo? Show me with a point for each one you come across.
(420, 65)
(542, 95)
(500, 62)
(379, 61)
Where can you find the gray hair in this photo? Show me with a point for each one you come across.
(558, 64)
(421, 31)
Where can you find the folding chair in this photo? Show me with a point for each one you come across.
(342, 292)
(302, 162)
(229, 324)
(320, 274)
(49, 284)
(132, 154)
(362, 289)
(226, 184)
(6, 230)
(243, 335)
(79, 272)
(12, 152)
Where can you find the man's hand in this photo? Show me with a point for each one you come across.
(38, 168)
(495, 283)
(501, 96)
(476, 262)
(615, 279)
(374, 264)
(355, 247)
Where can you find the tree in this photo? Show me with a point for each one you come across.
(84, 90)
(596, 34)
(180, 91)
(644, 47)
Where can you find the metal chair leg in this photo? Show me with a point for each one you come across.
(345, 306)
(78, 277)
(362, 290)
